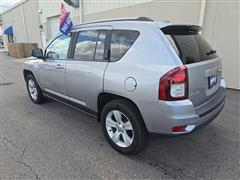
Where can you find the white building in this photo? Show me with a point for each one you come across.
(24, 19)
(219, 18)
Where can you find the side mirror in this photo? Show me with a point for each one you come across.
(38, 53)
(52, 55)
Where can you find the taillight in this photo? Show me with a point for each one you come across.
(174, 85)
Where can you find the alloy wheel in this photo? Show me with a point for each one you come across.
(32, 89)
(119, 128)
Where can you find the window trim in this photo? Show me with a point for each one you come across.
(96, 45)
(69, 47)
(106, 50)
(127, 48)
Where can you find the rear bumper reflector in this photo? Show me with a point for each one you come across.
(183, 128)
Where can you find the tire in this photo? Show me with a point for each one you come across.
(34, 90)
(119, 135)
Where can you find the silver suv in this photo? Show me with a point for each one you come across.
(137, 76)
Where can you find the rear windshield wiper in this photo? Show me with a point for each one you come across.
(211, 52)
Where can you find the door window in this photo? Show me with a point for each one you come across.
(85, 45)
(58, 49)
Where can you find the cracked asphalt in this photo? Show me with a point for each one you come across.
(53, 141)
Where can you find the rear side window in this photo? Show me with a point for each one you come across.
(121, 41)
(193, 48)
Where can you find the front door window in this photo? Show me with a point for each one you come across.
(58, 49)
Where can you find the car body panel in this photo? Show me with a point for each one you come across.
(51, 75)
(199, 92)
(84, 80)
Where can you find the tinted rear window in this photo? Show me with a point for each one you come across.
(189, 44)
(193, 48)
(121, 41)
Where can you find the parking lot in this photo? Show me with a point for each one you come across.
(53, 141)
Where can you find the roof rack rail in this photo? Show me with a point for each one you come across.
(144, 19)
(120, 19)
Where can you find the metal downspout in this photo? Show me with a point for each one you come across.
(24, 23)
(202, 12)
(82, 13)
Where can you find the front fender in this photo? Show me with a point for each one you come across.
(32, 64)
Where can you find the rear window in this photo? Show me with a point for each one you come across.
(121, 41)
(189, 44)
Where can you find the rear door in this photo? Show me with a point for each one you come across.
(204, 66)
(85, 70)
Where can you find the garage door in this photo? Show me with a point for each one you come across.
(53, 26)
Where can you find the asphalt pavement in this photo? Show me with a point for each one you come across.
(53, 141)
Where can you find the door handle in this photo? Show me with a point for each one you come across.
(59, 66)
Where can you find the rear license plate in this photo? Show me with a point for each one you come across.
(212, 80)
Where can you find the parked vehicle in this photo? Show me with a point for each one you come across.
(137, 76)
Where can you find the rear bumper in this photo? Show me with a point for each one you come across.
(182, 113)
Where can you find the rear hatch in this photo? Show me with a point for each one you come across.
(204, 66)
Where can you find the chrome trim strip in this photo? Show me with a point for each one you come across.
(77, 101)
(56, 93)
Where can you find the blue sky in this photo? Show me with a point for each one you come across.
(4, 4)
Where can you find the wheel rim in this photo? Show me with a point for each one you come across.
(119, 128)
(32, 89)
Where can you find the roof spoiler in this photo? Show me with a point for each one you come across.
(181, 29)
